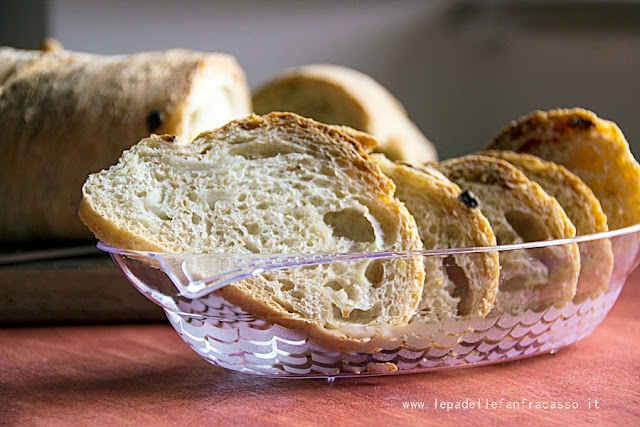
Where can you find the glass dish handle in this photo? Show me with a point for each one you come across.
(199, 275)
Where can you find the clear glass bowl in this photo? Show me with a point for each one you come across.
(184, 286)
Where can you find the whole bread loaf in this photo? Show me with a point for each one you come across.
(343, 96)
(274, 184)
(64, 115)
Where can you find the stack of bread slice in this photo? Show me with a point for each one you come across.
(282, 183)
(286, 183)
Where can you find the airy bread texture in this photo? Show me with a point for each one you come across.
(342, 96)
(582, 208)
(64, 115)
(456, 285)
(592, 148)
(520, 211)
(274, 184)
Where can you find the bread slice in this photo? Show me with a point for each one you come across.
(64, 115)
(274, 184)
(520, 211)
(583, 209)
(592, 148)
(456, 286)
(342, 96)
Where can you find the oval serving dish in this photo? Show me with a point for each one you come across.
(223, 334)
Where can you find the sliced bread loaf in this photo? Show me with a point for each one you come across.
(520, 211)
(274, 184)
(342, 96)
(592, 148)
(582, 208)
(64, 115)
(456, 285)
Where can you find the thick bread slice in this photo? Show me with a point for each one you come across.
(274, 184)
(342, 96)
(64, 115)
(592, 148)
(456, 285)
(520, 211)
(582, 208)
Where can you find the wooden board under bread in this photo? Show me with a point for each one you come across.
(88, 289)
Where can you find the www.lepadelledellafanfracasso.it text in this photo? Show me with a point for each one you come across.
(502, 403)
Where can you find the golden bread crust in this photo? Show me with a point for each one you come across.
(592, 148)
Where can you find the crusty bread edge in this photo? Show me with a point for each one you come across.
(218, 62)
(505, 140)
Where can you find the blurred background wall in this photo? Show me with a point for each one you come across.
(462, 69)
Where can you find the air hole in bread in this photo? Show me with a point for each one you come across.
(335, 285)
(286, 285)
(206, 148)
(327, 171)
(351, 224)
(299, 186)
(356, 315)
(337, 312)
(323, 182)
(353, 292)
(297, 294)
(251, 247)
(461, 282)
(316, 200)
(160, 213)
(527, 226)
(388, 223)
(375, 273)
(259, 149)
